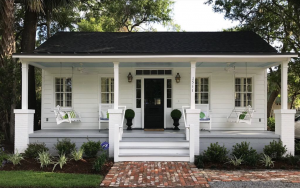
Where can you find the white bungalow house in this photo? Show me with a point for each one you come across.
(222, 74)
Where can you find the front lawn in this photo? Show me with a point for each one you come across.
(47, 179)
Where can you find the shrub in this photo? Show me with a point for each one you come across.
(216, 153)
(2, 137)
(15, 158)
(65, 146)
(44, 158)
(129, 114)
(266, 160)
(91, 148)
(199, 161)
(236, 161)
(292, 160)
(100, 161)
(77, 155)
(34, 149)
(62, 160)
(271, 124)
(3, 157)
(297, 147)
(176, 114)
(248, 154)
(275, 150)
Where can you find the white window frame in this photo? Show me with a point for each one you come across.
(64, 92)
(242, 76)
(110, 88)
(209, 89)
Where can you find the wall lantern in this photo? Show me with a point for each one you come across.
(129, 77)
(177, 78)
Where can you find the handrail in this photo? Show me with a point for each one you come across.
(122, 122)
(184, 118)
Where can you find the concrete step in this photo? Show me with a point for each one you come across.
(154, 143)
(151, 139)
(154, 150)
(151, 157)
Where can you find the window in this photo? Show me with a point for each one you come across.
(202, 91)
(107, 90)
(153, 72)
(169, 93)
(138, 93)
(63, 92)
(243, 93)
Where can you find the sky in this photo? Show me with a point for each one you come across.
(194, 15)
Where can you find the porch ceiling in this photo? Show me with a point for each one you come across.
(152, 64)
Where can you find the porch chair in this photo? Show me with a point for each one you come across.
(60, 116)
(103, 113)
(244, 115)
(205, 115)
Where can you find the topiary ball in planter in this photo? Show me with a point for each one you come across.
(129, 115)
(176, 115)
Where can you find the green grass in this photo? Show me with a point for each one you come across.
(47, 179)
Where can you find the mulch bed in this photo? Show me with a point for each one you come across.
(83, 166)
(282, 165)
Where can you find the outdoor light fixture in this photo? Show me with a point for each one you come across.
(129, 77)
(177, 78)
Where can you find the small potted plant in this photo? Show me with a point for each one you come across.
(129, 115)
(176, 115)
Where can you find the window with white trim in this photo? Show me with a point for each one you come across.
(107, 90)
(63, 92)
(243, 92)
(138, 93)
(169, 93)
(202, 91)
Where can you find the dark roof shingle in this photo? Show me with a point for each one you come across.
(156, 43)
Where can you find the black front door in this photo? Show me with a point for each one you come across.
(154, 103)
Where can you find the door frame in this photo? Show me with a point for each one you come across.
(142, 78)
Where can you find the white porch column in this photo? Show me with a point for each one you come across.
(284, 118)
(23, 117)
(116, 85)
(115, 117)
(192, 117)
(193, 75)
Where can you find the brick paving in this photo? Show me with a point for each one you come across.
(184, 174)
(285, 176)
(154, 174)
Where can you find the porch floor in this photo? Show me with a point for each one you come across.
(83, 133)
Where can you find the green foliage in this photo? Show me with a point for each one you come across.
(235, 161)
(91, 148)
(267, 160)
(129, 114)
(77, 155)
(271, 124)
(65, 146)
(91, 25)
(176, 114)
(2, 137)
(248, 154)
(44, 159)
(275, 150)
(33, 150)
(216, 153)
(292, 160)
(3, 157)
(62, 160)
(199, 161)
(243, 115)
(100, 161)
(15, 158)
(48, 179)
(297, 147)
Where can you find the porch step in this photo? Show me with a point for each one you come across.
(153, 139)
(154, 150)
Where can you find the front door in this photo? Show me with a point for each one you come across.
(154, 103)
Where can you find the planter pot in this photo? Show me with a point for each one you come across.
(129, 124)
(176, 124)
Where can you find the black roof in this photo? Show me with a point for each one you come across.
(136, 43)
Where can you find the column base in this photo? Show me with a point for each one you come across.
(115, 117)
(192, 117)
(285, 127)
(23, 127)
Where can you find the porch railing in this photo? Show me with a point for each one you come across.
(122, 122)
(118, 134)
(187, 134)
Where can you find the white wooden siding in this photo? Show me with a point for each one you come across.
(86, 96)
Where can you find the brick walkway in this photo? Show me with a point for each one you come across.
(252, 175)
(155, 174)
(183, 174)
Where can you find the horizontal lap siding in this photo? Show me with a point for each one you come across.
(86, 96)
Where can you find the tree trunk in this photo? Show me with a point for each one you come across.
(28, 46)
(271, 101)
(48, 22)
